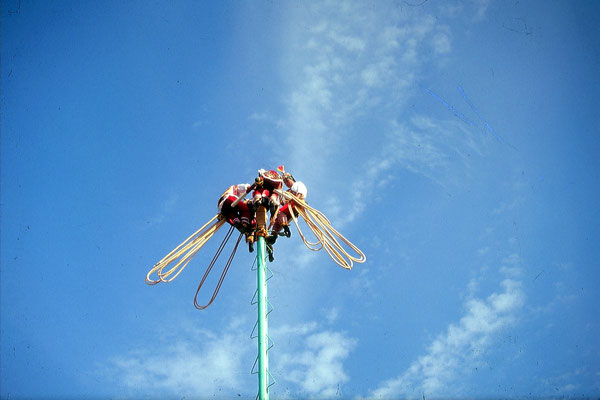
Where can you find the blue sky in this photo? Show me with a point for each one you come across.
(456, 143)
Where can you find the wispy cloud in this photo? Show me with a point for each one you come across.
(348, 63)
(564, 383)
(313, 360)
(480, 8)
(441, 43)
(190, 363)
(455, 351)
(440, 151)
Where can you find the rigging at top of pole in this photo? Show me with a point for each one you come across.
(249, 218)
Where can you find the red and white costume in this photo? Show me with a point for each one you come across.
(298, 189)
(240, 213)
(266, 184)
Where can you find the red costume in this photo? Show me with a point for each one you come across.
(284, 215)
(264, 192)
(240, 214)
(298, 189)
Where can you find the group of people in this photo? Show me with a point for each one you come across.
(249, 216)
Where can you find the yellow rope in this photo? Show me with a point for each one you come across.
(327, 236)
(183, 253)
(318, 245)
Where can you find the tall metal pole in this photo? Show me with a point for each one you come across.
(263, 359)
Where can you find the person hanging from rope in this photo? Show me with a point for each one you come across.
(284, 215)
(240, 214)
(265, 198)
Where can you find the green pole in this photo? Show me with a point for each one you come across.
(263, 359)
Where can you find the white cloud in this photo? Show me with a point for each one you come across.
(480, 7)
(344, 61)
(323, 361)
(291, 330)
(348, 42)
(200, 363)
(308, 361)
(441, 43)
(564, 383)
(332, 315)
(451, 10)
(419, 25)
(452, 353)
(314, 364)
(422, 146)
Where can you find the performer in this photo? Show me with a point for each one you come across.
(264, 195)
(239, 216)
(264, 190)
(297, 188)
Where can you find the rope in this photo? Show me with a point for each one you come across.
(327, 236)
(211, 265)
(184, 253)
